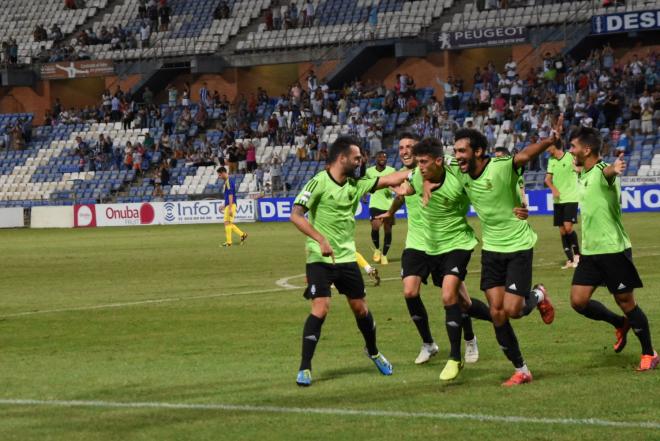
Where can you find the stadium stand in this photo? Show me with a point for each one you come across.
(338, 21)
(63, 162)
(19, 21)
(192, 29)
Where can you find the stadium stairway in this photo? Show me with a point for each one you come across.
(358, 59)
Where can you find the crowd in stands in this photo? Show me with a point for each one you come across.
(9, 52)
(288, 16)
(512, 108)
(153, 16)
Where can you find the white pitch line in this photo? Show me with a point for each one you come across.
(284, 282)
(597, 422)
(143, 302)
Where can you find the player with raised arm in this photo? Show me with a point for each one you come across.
(415, 269)
(508, 242)
(562, 179)
(330, 199)
(606, 249)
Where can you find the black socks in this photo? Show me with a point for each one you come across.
(311, 336)
(387, 243)
(597, 311)
(367, 326)
(419, 317)
(375, 238)
(453, 323)
(640, 326)
(479, 310)
(509, 344)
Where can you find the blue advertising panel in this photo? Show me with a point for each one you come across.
(642, 198)
(625, 22)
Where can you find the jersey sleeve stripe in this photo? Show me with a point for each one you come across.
(374, 187)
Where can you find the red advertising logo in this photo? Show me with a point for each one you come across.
(84, 216)
(147, 214)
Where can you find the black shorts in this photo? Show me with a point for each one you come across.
(513, 271)
(373, 212)
(452, 263)
(567, 212)
(415, 263)
(345, 276)
(616, 271)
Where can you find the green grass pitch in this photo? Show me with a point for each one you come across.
(163, 315)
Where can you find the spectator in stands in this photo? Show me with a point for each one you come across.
(284, 14)
(201, 118)
(56, 33)
(375, 136)
(142, 10)
(184, 121)
(152, 14)
(16, 138)
(647, 119)
(373, 21)
(272, 129)
(145, 34)
(292, 16)
(268, 19)
(312, 82)
(43, 55)
(611, 108)
(13, 51)
(301, 152)
(277, 16)
(164, 12)
(251, 157)
(449, 92)
(185, 95)
(231, 157)
(309, 14)
(276, 174)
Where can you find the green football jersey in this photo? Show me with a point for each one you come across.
(446, 227)
(564, 177)
(494, 194)
(331, 211)
(416, 223)
(600, 206)
(381, 199)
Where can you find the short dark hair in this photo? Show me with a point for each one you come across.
(429, 146)
(559, 143)
(341, 146)
(382, 152)
(409, 135)
(590, 137)
(502, 149)
(221, 170)
(477, 139)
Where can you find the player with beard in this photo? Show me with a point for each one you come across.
(606, 250)
(330, 199)
(508, 242)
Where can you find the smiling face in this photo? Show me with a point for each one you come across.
(350, 161)
(579, 151)
(405, 152)
(381, 159)
(465, 156)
